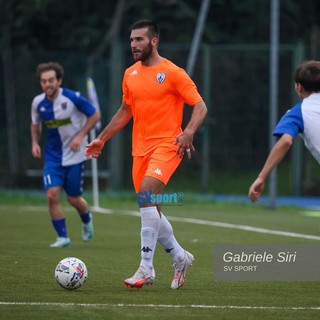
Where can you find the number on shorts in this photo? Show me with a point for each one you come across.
(47, 179)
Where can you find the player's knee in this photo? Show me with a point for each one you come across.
(53, 197)
(74, 201)
(78, 202)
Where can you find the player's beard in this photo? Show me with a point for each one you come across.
(51, 93)
(144, 54)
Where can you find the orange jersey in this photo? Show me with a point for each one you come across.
(156, 96)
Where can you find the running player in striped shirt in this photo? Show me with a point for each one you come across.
(67, 117)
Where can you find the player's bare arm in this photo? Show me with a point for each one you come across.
(276, 155)
(90, 123)
(119, 120)
(185, 139)
(35, 137)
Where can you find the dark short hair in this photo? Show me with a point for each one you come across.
(153, 28)
(308, 75)
(55, 66)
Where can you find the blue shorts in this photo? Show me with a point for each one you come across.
(70, 178)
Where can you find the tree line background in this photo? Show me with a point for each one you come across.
(91, 38)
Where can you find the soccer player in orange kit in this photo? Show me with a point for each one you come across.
(154, 93)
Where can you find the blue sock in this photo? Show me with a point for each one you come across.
(85, 217)
(60, 227)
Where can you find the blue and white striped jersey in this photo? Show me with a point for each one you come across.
(303, 119)
(63, 118)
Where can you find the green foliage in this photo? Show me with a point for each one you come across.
(81, 24)
(231, 72)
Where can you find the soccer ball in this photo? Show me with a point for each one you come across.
(71, 273)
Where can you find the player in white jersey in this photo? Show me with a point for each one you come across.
(68, 117)
(303, 119)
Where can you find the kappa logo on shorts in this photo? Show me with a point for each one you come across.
(161, 77)
(158, 172)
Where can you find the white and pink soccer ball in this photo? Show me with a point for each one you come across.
(71, 273)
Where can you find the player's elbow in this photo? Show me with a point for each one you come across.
(286, 141)
(201, 109)
(98, 115)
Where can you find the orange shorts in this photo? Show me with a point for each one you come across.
(160, 163)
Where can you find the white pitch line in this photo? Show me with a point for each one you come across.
(207, 223)
(223, 225)
(156, 306)
(246, 228)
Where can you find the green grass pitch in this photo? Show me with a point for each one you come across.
(28, 289)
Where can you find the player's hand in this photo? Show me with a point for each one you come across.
(256, 189)
(184, 142)
(36, 150)
(94, 148)
(75, 144)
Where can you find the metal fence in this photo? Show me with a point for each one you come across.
(232, 144)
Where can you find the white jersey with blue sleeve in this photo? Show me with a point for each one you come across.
(63, 118)
(303, 119)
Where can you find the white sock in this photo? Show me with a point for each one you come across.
(168, 241)
(150, 224)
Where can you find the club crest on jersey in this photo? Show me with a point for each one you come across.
(64, 106)
(160, 77)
